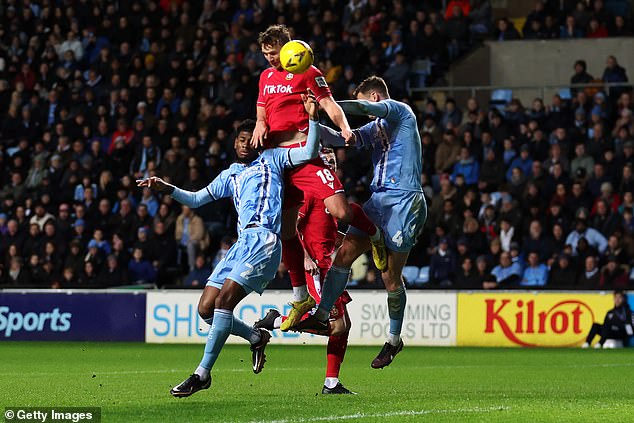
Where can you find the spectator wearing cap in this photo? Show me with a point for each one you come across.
(536, 273)
(466, 166)
(613, 274)
(507, 273)
(562, 273)
(442, 265)
(594, 237)
(589, 276)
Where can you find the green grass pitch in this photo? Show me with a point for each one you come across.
(131, 383)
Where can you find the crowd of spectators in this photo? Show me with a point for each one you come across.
(568, 19)
(95, 94)
(532, 196)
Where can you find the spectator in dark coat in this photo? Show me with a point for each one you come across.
(112, 273)
(198, 276)
(589, 277)
(562, 274)
(614, 73)
(140, 270)
(441, 269)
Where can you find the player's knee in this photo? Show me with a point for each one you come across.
(206, 308)
(392, 280)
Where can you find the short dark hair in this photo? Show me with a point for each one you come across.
(274, 35)
(372, 83)
(247, 125)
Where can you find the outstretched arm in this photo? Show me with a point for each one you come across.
(363, 107)
(336, 114)
(188, 198)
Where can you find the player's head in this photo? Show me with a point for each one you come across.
(373, 88)
(329, 157)
(271, 42)
(242, 143)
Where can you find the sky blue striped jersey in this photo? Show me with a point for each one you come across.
(396, 148)
(256, 189)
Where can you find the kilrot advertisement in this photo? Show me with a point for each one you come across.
(529, 320)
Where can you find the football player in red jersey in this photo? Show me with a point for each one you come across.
(282, 122)
(318, 230)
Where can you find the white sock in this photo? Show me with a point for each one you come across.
(377, 235)
(331, 382)
(255, 336)
(277, 323)
(300, 293)
(202, 372)
(393, 339)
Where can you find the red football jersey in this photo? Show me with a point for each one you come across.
(279, 94)
(319, 231)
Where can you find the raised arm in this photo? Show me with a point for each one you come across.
(363, 108)
(309, 151)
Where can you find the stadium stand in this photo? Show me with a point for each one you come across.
(96, 94)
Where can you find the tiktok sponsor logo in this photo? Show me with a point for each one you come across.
(278, 89)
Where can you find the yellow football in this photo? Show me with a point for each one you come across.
(296, 56)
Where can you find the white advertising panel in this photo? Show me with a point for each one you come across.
(430, 318)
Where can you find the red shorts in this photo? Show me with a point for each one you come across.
(313, 178)
(339, 309)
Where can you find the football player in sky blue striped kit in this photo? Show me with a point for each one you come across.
(397, 204)
(255, 183)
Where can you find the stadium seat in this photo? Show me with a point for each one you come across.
(423, 276)
(565, 94)
(500, 99)
(410, 273)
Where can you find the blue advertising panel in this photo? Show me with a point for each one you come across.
(72, 316)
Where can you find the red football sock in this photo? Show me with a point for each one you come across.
(361, 221)
(293, 258)
(336, 352)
